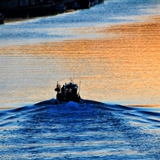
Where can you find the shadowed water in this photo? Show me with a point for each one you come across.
(89, 130)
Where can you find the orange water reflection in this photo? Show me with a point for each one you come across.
(123, 69)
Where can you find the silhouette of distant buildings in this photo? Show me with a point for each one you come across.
(32, 8)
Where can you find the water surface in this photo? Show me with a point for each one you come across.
(90, 130)
(109, 72)
(112, 52)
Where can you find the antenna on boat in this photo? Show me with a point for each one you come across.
(71, 79)
(79, 86)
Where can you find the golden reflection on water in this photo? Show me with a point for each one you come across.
(123, 69)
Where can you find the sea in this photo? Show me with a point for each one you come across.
(120, 112)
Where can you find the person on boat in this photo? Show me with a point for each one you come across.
(58, 88)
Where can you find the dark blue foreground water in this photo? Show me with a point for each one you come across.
(88, 130)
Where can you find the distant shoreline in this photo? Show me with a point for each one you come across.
(31, 12)
(10, 20)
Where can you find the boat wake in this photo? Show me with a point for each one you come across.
(90, 129)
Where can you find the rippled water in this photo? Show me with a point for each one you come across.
(108, 67)
(89, 130)
(61, 27)
(107, 73)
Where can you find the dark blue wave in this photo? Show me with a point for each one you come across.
(91, 130)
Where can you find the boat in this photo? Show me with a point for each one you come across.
(60, 7)
(1, 18)
(68, 92)
(85, 4)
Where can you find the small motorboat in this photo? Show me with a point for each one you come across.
(68, 92)
(1, 18)
(60, 7)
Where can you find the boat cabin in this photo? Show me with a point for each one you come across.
(68, 92)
